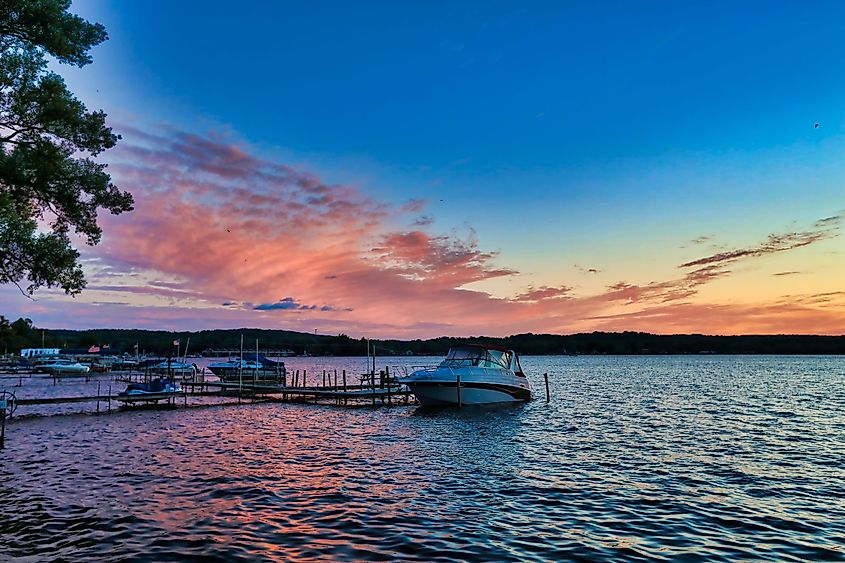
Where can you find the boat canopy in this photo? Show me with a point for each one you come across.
(479, 356)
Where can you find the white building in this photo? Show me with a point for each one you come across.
(39, 352)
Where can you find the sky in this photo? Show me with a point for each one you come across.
(410, 170)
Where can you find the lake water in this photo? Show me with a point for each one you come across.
(696, 458)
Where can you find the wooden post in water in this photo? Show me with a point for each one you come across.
(241, 371)
(373, 382)
(255, 371)
(2, 428)
(546, 377)
(458, 383)
(304, 377)
(324, 378)
(387, 377)
(109, 398)
(98, 396)
(344, 388)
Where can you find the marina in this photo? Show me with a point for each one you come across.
(412, 282)
(332, 387)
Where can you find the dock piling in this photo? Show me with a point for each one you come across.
(548, 396)
(458, 377)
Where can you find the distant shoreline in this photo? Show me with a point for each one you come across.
(300, 343)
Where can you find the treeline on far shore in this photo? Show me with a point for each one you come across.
(23, 334)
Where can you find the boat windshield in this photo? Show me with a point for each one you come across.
(472, 356)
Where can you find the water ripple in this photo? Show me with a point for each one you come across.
(701, 459)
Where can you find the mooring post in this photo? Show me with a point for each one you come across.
(387, 377)
(98, 396)
(324, 378)
(304, 377)
(458, 383)
(335, 380)
(2, 428)
(546, 377)
(109, 398)
(373, 384)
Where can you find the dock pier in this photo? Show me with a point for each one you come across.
(374, 389)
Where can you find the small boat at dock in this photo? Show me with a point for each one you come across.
(471, 375)
(251, 367)
(174, 368)
(62, 367)
(155, 390)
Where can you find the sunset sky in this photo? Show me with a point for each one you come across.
(398, 169)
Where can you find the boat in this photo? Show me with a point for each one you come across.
(251, 367)
(175, 368)
(155, 390)
(487, 374)
(61, 366)
(125, 364)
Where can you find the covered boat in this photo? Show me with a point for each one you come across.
(153, 391)
(174, 368)
(487, 374)
(252, 366)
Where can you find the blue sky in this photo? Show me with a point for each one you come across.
(604, 135)
(498, 83)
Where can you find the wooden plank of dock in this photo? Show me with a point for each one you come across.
(60, 400)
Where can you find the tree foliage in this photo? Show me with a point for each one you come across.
(50, 186)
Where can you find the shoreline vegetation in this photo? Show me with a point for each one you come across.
(23, 334)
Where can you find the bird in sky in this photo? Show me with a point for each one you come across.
(816, 125)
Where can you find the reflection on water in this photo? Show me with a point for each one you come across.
(672, 457)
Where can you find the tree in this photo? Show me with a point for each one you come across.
(49, 183)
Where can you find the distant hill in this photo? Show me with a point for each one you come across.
(23, 334)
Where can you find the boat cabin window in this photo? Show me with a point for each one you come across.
(517, 367)
(477, 357)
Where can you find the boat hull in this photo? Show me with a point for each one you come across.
(63, 370)
(446, 393)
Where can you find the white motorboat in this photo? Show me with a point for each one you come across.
(60, 366)
(487, 374)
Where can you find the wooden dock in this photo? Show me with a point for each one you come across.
(374, 389)
(357, 394)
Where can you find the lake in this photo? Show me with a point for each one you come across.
(635, 457)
